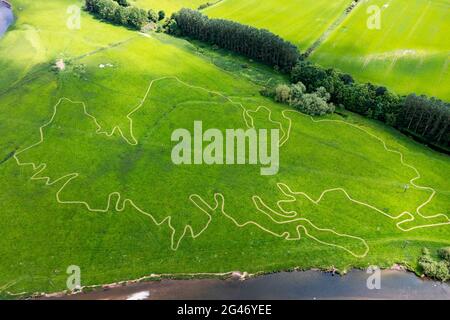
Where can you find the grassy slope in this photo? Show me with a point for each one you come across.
(410, 52)
(300, 22)
(41, 238)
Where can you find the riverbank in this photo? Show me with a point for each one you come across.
(6, 16)
(308, 285)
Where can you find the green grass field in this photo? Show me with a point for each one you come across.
(88, 180)
(300, 22)
(409, 53)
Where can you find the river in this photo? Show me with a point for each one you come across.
(6, 18)
(308, 285)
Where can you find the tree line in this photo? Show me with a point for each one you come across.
(425, 118)
(258, 44)
(121, 12)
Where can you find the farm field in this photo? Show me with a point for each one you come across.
(300, 22)
(409, 53)
(88, 179)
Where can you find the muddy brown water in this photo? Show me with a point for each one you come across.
(284, 285)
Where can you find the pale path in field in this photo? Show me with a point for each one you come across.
(331, 28)
(219, 199)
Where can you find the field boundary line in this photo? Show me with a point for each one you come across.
(333, 26)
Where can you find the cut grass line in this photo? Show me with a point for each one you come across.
(402, 161)
(69, 177)
(198, 201)
(104, 48)
(220, 202)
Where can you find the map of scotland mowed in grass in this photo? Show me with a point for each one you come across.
(346, 100)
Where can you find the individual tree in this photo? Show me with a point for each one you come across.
(152, 15)
(313, 104)
(323, 93)
(108, 10)
(310, 74)
(444, 253)
(161, 15)
(297, 91)
(283, 93)
(137, 18)
(121, 16)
